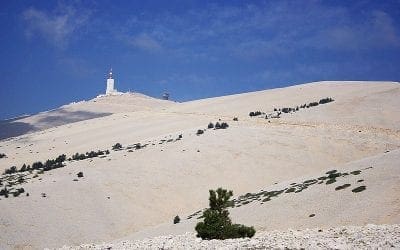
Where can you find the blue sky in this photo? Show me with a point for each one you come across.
(56, 52)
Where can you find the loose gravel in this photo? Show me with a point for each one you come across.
(346, 237)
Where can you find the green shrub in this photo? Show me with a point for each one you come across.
(256, 113)
(357, 172)
(224, 125)
(359, 189)
(177, 219)
(23, 168)
(11, 170)
(342, 187)
(117, 146)
(217, 224)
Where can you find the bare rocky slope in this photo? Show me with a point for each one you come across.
(129, 193)
(346, 237)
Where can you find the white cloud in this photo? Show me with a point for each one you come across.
(57, 27)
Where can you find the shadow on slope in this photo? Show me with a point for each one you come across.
(17, 127)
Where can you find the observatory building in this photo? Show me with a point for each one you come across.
(110, 84)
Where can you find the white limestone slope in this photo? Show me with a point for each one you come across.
(127, 192)
(98, 107)
(345, 237)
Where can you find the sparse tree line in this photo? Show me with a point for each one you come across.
(279, 111)
(217, 125)
(55, 163)
(48, 165)
(91, 154)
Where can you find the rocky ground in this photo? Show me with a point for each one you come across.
(349, 237)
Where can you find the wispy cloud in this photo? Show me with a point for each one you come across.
(265, 30)
(145, 42)
(56, 27)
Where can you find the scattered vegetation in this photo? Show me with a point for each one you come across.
(2, 155)
(278, 111)
(265, 196)
(48, 165)
(210, 125)
(87, 155)
(80, 175)
(235, 119)
(217, 224)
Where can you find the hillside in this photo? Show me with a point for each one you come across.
(81, 111)
(129, 192)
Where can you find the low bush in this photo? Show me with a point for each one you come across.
(342, 187)
(224, 125)
(4, 192)
(256, 113)
(359, 189)
(199, 132)
(210, 125)
(117, 146)
(2, 155)
(80, 174)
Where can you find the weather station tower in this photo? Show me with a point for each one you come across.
(110, 84)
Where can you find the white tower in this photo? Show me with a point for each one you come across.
(110, 84)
